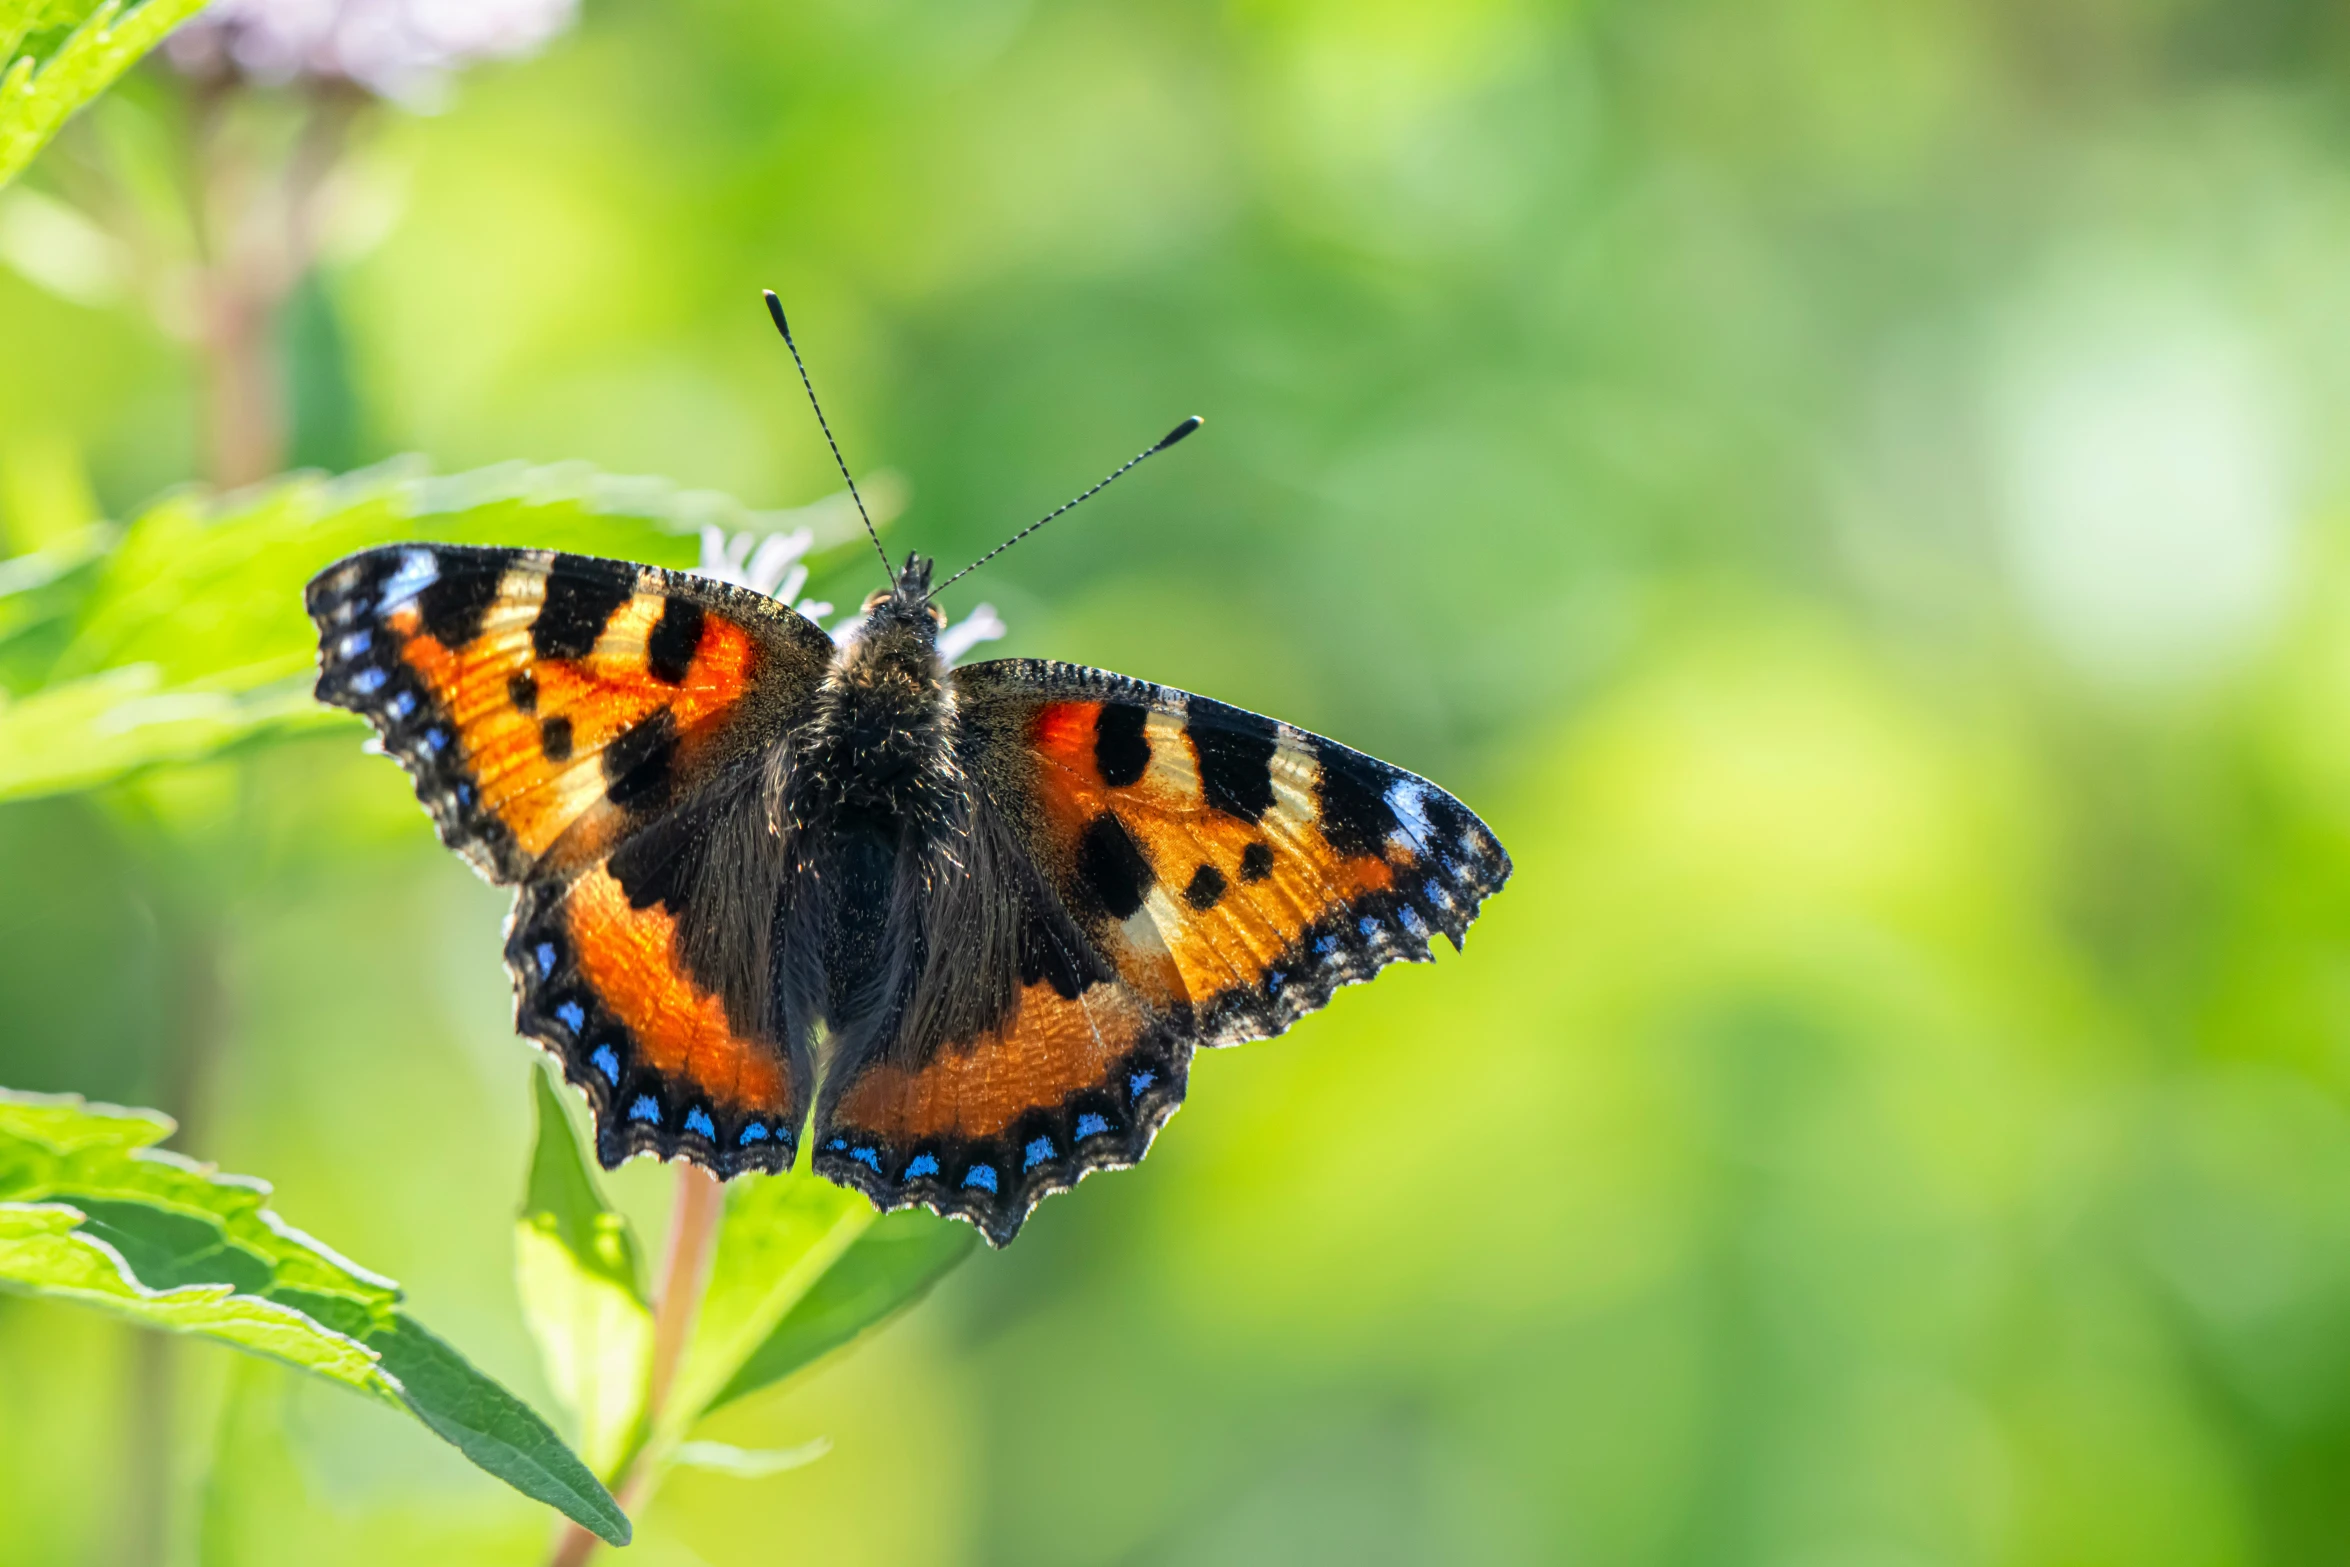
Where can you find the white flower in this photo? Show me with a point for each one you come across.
(771, 565)
(402, 49)
(981, 625)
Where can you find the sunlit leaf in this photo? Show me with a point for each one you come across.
(577, 1267)
(108, 726)
(45, 1251)
(780, 1236)
(92, 1212)
(37, 96)
(888, 1268)
(749, 1463)
(190, 636)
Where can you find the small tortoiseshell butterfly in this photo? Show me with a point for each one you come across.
(980, 917)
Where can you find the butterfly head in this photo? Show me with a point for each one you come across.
(901, 624)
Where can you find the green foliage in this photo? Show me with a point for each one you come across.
(577, 1268)
(893, 1263)
(92, 1212)
(92, 45)
(801, 1268)
(184, 634)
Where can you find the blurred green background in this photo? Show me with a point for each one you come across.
(1849, 490)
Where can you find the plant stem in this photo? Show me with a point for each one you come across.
(685, 1273)
(257, 218)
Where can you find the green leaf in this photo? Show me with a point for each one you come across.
(781, 1234)
(749, 1463)
(104, 727)
(577, 1266)
(91, 1211)
(44, 1252)
(38, 97)
(190, 636)
(40, 593)
(891, 1265)
(495, 1429)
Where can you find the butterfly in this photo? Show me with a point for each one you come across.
(975, 919)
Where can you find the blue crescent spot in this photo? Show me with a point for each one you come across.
(1367, 925)
(368, 681)
(416, 573)
(698, 1120)
(1412, 921)
(1273, 982)
(1138, 1082)
(1325, 945)
(402, 704)
(924, 1164)
(1037, 1152)
(1436, 894)
(546, 957)
(607, 1061)
(756, 1132)
(574, 1016)
(645, 1109)
(837, 1144)
(435, 738)
(465, 795)
(1090, 1125)
(869, 1158)
(981, 1176)
(357, 643)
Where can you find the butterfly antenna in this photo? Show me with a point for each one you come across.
(1153, 450)
(775, 309)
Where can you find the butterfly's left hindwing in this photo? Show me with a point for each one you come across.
(593, 730)
(1210, 876)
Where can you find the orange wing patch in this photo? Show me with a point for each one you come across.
(628, 957)
(987, 1129)
(534, 731)
(1229, 866)
(545, 703)
(1049, 1049)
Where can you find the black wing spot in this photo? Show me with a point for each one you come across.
(1256, 862)
(581, 596)
(1355, 815)
(677, 635)
(555, 738)
(452, 604)
(522, 689)
(638, 764)
(1206, 889)
(1121, 751)
(1235, 757)
(1112, 868)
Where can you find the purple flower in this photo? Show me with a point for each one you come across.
(401, 49)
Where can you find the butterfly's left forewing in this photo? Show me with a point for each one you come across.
(1194, 874)
(595, 731)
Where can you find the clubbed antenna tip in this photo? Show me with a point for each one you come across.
(1165, 441)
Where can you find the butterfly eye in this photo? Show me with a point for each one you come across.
(874, 601)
